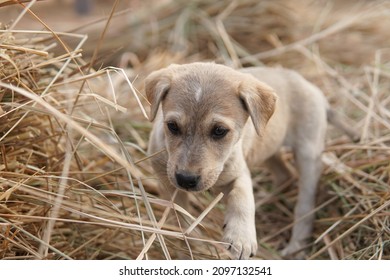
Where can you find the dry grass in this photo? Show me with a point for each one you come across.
(75, 182)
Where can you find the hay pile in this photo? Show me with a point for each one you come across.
(75, 182)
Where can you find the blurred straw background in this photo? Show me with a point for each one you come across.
(75, 181)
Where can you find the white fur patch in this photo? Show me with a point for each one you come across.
(198, 94)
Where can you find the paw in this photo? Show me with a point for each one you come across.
(294, 250)
(241, 239)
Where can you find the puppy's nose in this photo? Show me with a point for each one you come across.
(186, 180)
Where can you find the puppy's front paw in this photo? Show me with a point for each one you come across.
(241, 239)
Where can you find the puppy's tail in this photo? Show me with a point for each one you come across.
(334, 119)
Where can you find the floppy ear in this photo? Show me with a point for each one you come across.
(259, 100)
(157, 85)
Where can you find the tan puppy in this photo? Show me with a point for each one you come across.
(215, 123)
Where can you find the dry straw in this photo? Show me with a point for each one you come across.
(75, 181)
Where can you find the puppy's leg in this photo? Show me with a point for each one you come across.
(239, 227)
(278, 169)
(308, 159)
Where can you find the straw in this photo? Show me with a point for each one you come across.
(76, 181)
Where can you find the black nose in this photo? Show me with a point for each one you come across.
(187, 180)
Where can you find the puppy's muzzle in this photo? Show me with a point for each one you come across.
(187, 180)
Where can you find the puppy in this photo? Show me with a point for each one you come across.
(215, 123)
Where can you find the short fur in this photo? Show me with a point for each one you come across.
(259, 110)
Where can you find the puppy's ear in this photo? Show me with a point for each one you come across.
(259, 100)
(157, 85)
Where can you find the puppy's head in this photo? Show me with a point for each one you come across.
(205, 106)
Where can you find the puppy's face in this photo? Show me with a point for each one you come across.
(205, 107)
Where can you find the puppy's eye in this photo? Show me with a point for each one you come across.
(219, 132)
(173, 128)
